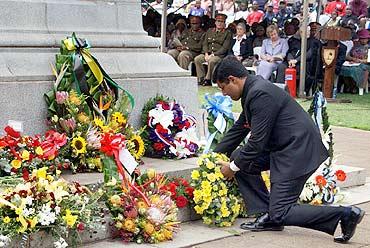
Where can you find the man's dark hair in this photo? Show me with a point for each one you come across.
(229, 66)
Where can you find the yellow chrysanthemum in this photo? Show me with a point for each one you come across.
(119, 118)
(79, 145)
(16, 164)
(210, 165)
(195, 175)
(138, 147)
(235, 208)
(115, 200)
(211, 177)
(6, 220)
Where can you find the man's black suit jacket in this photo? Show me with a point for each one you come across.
(278, 125)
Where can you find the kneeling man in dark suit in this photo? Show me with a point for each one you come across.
(284, 140)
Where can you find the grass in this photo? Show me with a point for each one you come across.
(354, 115)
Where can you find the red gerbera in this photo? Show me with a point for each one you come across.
(341, 175)
(320, 180)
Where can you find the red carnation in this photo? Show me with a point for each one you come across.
(181, 201)
(341, 175)
(158, 146)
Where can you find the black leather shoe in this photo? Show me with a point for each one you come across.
(349, 224)
(207, 82)
(262, 223)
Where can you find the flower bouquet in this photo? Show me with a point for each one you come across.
(85, 103)
(45, 203)
(19, 155)
(181, 191)
(216, 199)
(321, 187)
(170, 132)
(220, 118)
(143, 213)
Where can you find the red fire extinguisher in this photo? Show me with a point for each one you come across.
(290, 80)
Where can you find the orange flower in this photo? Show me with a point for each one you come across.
(341, 175)
(320, 180)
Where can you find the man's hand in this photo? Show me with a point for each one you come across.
(225, 170)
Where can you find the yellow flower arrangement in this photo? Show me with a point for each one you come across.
(79, 145)
(216, 199)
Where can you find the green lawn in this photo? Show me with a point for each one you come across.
(354, 115)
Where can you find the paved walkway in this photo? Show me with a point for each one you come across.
(352, 147)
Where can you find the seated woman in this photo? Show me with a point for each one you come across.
(238, 46)
(273, 52)
(358, 67)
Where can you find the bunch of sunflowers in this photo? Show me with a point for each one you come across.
(45, 203)
(216, 199)
(142, 212)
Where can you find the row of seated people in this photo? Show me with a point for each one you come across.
(276, 53)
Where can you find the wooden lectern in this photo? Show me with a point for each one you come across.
(329, 54)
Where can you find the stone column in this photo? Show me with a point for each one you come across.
(31, 31)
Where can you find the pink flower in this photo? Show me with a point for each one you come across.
(61, 96)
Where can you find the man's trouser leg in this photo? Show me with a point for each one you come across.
(285, 210)
(212, 62)
(198, 61)
(174, 53)
(252, 187)
(184, 59)
(280, 76)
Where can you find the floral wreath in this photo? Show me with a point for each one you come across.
(170, 132)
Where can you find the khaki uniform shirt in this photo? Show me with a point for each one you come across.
(217, 42)
(192, 39)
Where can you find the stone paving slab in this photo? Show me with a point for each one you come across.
(356, 195)
(191, 233)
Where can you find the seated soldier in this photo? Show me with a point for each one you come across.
(216, 44)
(189, 44)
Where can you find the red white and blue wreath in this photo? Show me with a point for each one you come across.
(170, 132)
